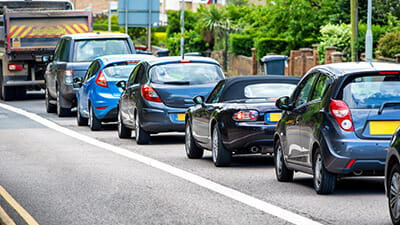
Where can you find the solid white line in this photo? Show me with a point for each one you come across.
(228, 192)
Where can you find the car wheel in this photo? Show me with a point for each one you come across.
(94, 123)
(192, 150)
(220, 155)
(394, 194)
(61, 111)
(123, 131)
(283, 173)
(50, 108)
(82, 121)
(142, 137)
(324, 181)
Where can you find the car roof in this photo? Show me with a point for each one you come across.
(107, 59)
(254, 78)
(340, 69)
(176, 59)
(97, 35)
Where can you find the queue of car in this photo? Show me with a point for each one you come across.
(337, 121)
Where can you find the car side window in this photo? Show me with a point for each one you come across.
(135, 75)
(304, 90)
(321, 86)
(216, 93)
(93, 69)
(59, 50)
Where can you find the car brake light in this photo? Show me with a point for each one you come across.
(68, 76)
(15, 67)
(389, 72)
(251, 115)
(185, 61)
(150, 94)
(101, 79)
(341, 111)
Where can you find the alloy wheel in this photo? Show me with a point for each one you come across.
(394, 195)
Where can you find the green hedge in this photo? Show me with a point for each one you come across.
(271, 45)
(389, 44)
(104, 27)
(241, 44)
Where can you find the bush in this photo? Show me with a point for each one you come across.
(241, 44)
(160, 38)
(104, 27)
(389, 44)
(194, 42)
(271, 45)
(334, 35)
(377, 32)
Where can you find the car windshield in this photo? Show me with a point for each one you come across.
(88, 50)
(119, 71)
(372, 91)
(268, 91)
(186, 73)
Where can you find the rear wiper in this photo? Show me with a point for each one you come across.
(177, 82)
(386, 104)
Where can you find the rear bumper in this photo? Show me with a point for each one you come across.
(22, 80)
(110, 112)
(245, 135)
(345, 156)
(162, 120)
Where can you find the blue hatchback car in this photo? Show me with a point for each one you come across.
(98, 95)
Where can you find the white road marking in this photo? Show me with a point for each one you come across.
(228, 192)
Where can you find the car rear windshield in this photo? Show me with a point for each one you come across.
(364, 92)
(119, 71)
(88, 50)
(186, 73)
(269, 91)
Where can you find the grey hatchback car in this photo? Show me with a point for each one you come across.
(338, 122)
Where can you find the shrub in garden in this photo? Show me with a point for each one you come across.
(389, 44)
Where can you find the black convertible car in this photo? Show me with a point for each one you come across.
(239, 116)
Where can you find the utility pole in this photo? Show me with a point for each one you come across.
(354, 29)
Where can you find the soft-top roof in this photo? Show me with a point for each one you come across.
(358, 67)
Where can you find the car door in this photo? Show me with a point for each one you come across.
(294, 150)
(60, 57)
(127, 96)
(202, 115)
(87, 85)
(312, 117)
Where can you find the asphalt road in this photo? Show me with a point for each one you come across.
(85, 177)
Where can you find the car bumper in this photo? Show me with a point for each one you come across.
(246, 135)
(163, 120)
(345, 156)
(105, 107)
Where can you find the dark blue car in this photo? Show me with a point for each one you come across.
(159, 91)
(98, 96)
(338, 122)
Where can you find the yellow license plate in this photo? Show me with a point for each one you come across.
(274, 117)
(181, 117)
(383, 127)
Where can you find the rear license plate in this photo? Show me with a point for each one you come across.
(383, 127)
(272, 117)
(181, 117)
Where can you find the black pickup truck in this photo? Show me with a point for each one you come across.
(72, 57)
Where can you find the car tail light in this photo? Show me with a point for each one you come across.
(101, 107)
(15, 67)
(101, 79)
(150, 94)
(185, 61)
(388, 72)
(341, 111)
(250, 115)
(68, 76)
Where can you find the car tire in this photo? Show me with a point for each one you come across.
(393, 189)
(123, 131)
(94, 122)
(192, 150)
(282, 173)
(81, 121)
(50, 108)
(142, 137)
(220, 155)
(324, 181)
(61, 111)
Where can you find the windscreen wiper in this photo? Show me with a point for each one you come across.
(177, 82)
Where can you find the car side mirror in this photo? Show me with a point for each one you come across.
(77, 82)
(121, 84)
(198, 100)
(283, 103)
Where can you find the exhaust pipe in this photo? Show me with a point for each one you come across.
(254, 149)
